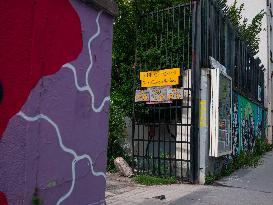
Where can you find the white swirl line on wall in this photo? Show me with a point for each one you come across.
(87, 86)
(76, 159)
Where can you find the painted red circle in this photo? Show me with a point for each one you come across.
(36, 38)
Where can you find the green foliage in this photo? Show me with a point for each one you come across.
(262, 147)
(36, 200)
(151, 180)
(249, 32)
(211, 178)
(243, 160)
(116, 132)
(125, 42)
(124, 49)
(160, 166)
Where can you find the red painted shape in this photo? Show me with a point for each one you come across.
(3, 199)
(36, 38)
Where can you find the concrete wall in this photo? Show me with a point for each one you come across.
(55, 82)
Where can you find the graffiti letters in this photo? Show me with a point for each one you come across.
(247, 124)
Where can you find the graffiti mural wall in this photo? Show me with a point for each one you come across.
(54, 99)
(247, 124)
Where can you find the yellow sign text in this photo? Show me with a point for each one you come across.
(160, 77)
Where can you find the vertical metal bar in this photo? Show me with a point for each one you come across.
(153, 141)
(133, 119)
(143, 148)
(189, 122)
(172, 25)
(138, 153)
(167, 38)
(175, 140)
(181, 74)
(164, 145)
(189, 34)
(159, 136)
(178, 32)
(170, 141)
(158, 145)
(161, 38)
(196, 78)
(184, 26)
(239, 62)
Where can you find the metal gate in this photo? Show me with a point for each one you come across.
(165, 134)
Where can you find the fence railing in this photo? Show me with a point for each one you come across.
(221, 40)
(165, 136)
(162, 132)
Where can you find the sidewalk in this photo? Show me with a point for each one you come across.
(122, 191)
(253, 186)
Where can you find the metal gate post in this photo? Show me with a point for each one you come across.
(196, 80)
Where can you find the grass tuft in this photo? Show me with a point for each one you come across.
(151, 180)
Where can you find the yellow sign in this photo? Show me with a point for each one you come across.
(160, 77)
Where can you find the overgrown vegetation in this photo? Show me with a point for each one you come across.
(116, 134)
(124, 48)
(248, 31)
(243, 160)
(151, 180)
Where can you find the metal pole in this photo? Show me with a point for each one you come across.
(196, 78)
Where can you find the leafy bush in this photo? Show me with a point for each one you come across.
(261, 147)
(116, 133)
(249, 31)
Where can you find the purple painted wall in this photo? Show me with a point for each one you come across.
(58, 141)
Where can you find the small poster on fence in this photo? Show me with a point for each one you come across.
(142, 96)
(155, 95)
(175, 93)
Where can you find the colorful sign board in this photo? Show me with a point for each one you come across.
(156, 95)
(165, 77)
(175, 93)
(142, 96)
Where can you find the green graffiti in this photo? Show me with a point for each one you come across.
(247, 123)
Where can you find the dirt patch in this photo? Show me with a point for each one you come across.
(117, 184)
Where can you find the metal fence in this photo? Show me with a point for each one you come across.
(162, 132)
(221, 40)
(165, 137)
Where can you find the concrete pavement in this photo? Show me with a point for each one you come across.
(253, 186)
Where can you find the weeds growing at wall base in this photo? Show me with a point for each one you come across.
(151, 180)
(36, 200)
(243, 160)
